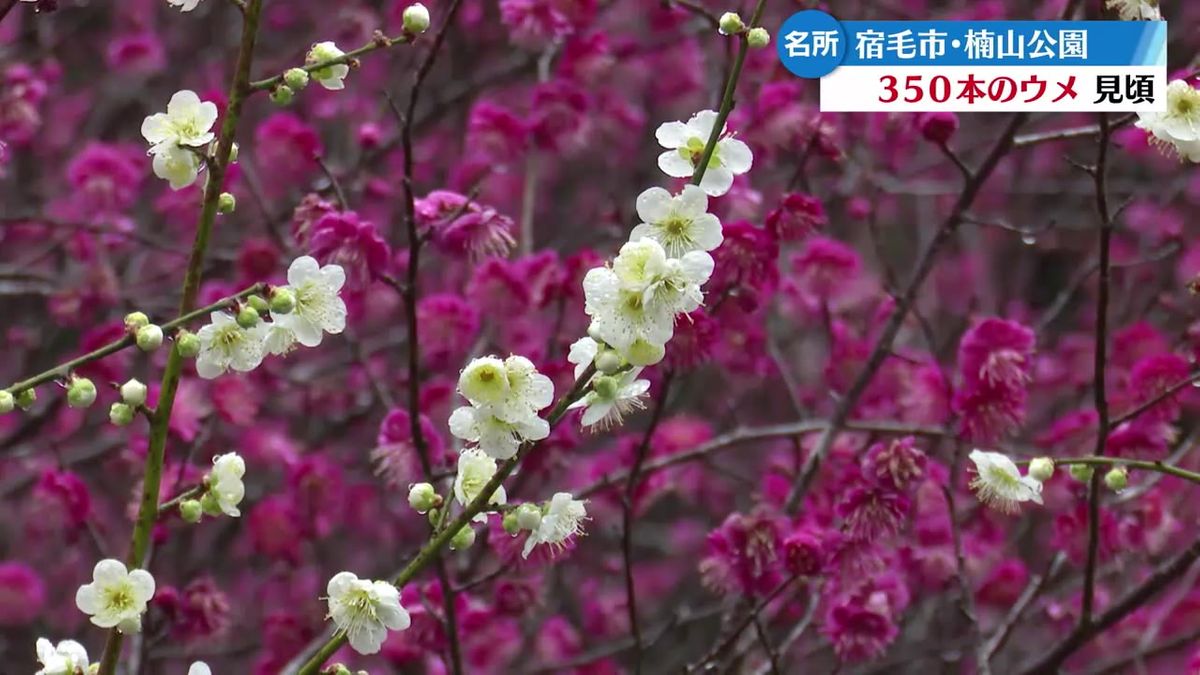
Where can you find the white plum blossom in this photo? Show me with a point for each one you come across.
(319, 309)
(1177, 129)
(330, 77)
(278, 339)
(224, 345)
(685, 145)
(510, 389)
(365, 610)
(1135, 10)
(563, 518)
(225, 482)
(583, 353)
(496, 437)
(681, 223)
(999, 483)
(475, 469)
(184, 5)
(611, 398)
(67, 658)
(116, 597)
(176, 165)
(484, 381)
(199, 668)
(187, 122)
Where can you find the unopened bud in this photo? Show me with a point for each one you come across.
(609, 362)
(758, 38)
(135, 320)
(247, 317)
(462, 539)
(226, 202)
(416, 18)
(134, 392)
(210, 505)
(283, 301)
(1117, 479)
(187, 344)
(730, 24)
(259, 303)
(7, 402)
(120, 414)
(296, 78)
(1081, 472)
(529, 516)
(191, 510)
(81, 392)
(510, 523)
(26, 398)
(149, 338)
(422, 497)
(1041, 469)
(606, 388)
(282, 95)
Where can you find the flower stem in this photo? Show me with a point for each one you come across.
(380, 41)
(1142, 464)
(151, 483)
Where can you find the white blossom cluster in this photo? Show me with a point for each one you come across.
(1178, 129)
(505, 396)
(178, 137)
(314, 308)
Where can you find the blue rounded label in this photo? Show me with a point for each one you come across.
(811, 43)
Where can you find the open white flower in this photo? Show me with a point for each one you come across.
(199, 668)
(496, 437)
(621, 318)
(475, 469)
(279, 339)
(685, 145)
(529, 389)
(563, 519)
(681, 223)
(611, 398)
(67, 658)
(224, 345)
(184, 6)
(319, 308)
(1135, 10)
(365, 610)
(330, 77)
(583, 353)
(188, 121)
(178, 166)
(485, 382)
(116, 597)
(1177, 129)
(999, 483)
(225, 482)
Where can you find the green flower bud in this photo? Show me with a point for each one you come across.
(422, 497)
(283, 301)
(1041, 469)
(26, 398)
(1081, 472)
(529, 516)
(296, 78)
(120, 414)
(339, 669)
(233, 153)
(282, 95)
(187, 344)
(149, 337)
(758, 38)
(434, 516)
(135, 320)
(730, 24)
(1117, 479)
(416, 19)
(226, 202)
(609, 362)
(462, 539)
(7, 402)
(606, 387)
(510, 523)
(81, 392)
(247, 317)
(134, 393)
(210, 505)
(259, 303)
(191, 510)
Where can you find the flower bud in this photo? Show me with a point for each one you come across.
(134, 393)
(510, 523)
(529, 516)
(606, 387)
(120, 414)
(226, 203)
(282, 95)
(296, 78)
(1081, 472)
(937, 127)
(434, 517)
(730, 24)
(81, 392)
(1117, 479)
(135, 320)
(422, 497)
(1041, 469)
(758, 38)
(209, 504)
(187, 344)
(149, 337)
(26, 398)
(339, 669)
(283, 301)
(416, 19)
(191, 510)
(233, 153)
(7, 402)
(259, 303)
(247, 317)
(462, 539)
(609, 362)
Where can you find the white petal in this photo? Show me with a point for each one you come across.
(303, 269)
(199, 668)
(672, 134)
(156, 128)
(674, 165)
(463, 424)
(109, 571)
(692, 202)
(702, 124)
(596, 412)
(184, 103)
(717, 181)
(735, 155)
(654, 205)
(143, 585)
(706, 230)
(340, 583)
